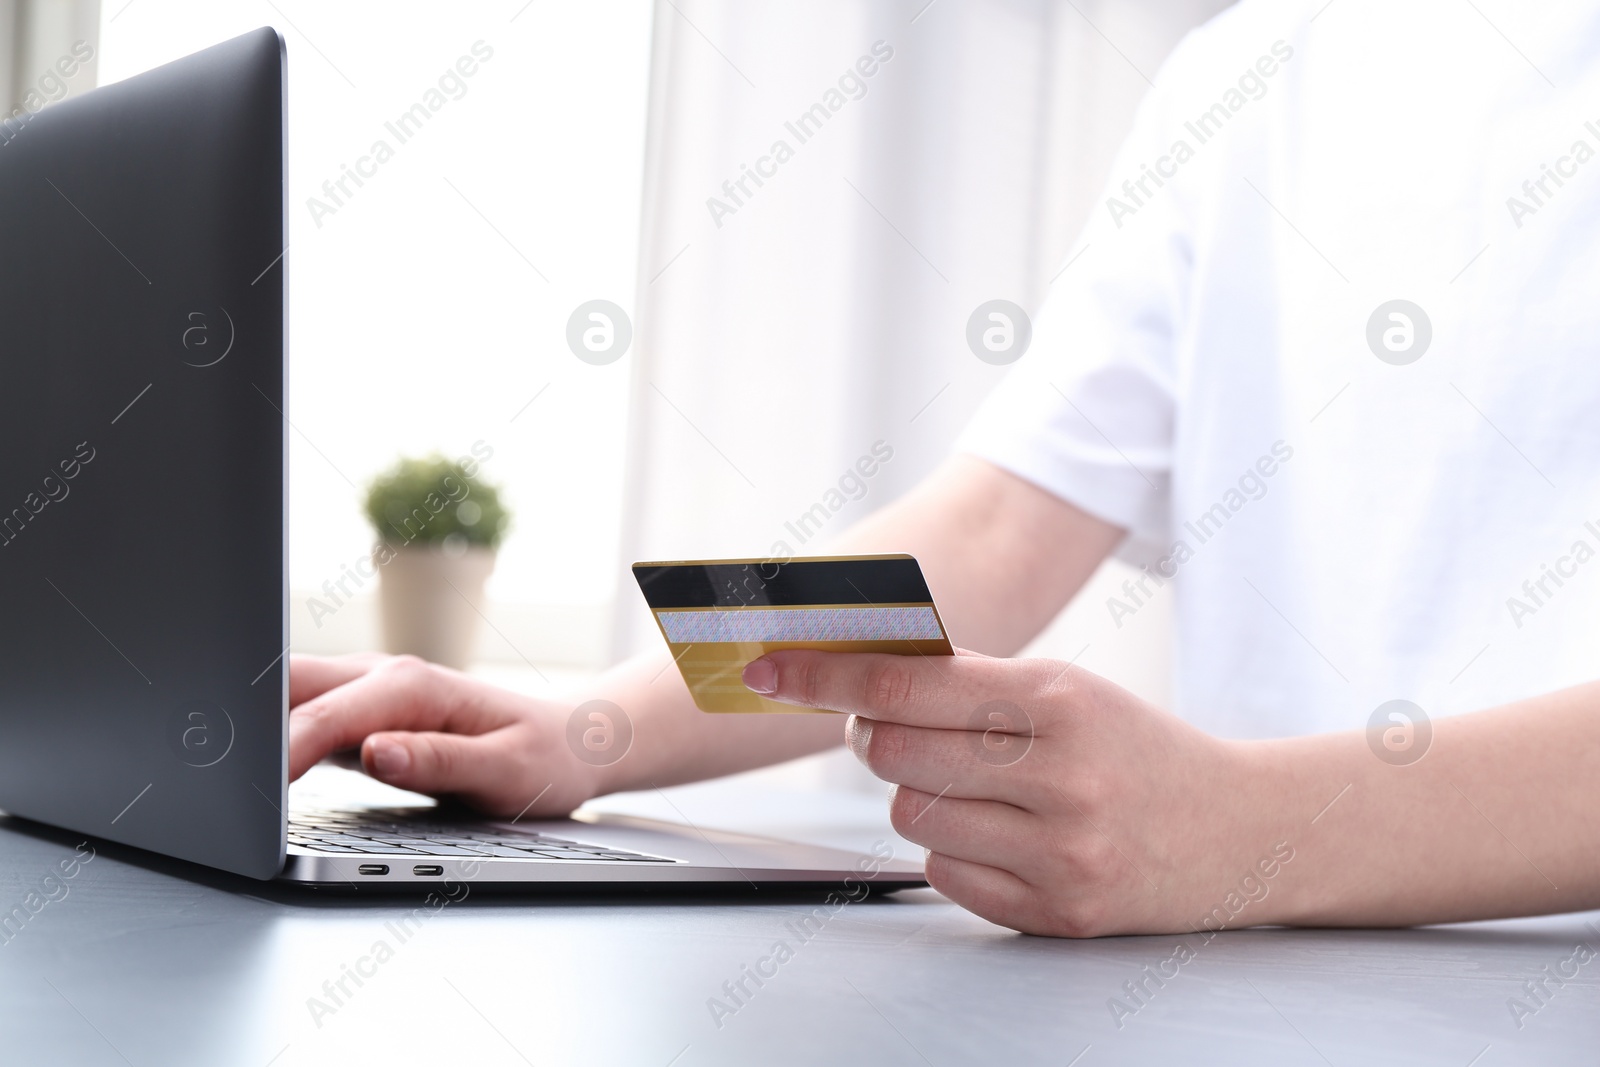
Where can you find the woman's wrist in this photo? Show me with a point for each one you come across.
(1283, 827)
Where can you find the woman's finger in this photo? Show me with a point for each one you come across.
(311, 676)
(969, 764)
(980, 831)
(996, 895)
(401, 693)
(490, 771)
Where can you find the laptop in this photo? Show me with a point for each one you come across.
(144, 423)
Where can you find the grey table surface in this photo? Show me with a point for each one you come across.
(151, 962)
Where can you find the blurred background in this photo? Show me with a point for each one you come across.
(779, 331)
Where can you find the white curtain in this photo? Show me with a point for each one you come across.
(791, 327)
(827, 311)
(38, 63)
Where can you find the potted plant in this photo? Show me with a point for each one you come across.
(438, 526)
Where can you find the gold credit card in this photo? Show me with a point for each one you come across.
(717, 615)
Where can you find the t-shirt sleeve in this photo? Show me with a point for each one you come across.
(1087, 413)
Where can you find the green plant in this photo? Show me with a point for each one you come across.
(433, 501)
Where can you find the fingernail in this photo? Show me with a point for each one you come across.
(858, 735)
(389, 758)
(760, 676)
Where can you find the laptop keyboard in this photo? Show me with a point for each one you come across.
(357, 833)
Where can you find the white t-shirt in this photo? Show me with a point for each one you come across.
(1344, 521)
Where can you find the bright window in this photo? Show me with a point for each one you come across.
(429, 304)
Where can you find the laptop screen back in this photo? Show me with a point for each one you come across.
(142, 431)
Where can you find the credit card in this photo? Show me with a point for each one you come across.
(717, 615)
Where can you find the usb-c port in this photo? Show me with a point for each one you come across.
(373, 868)
(426, 870)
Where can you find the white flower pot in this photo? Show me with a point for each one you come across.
(431, 601)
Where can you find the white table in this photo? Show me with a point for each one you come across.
(151, 962)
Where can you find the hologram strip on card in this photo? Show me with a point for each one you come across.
(802, 624)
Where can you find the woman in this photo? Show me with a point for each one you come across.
(1325, 366)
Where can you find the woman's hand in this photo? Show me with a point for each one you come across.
(1050, 800)
(434, 730)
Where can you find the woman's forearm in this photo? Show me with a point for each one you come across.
(1001, 555)
(1055, 802)
(1499, 817)
(675, 742)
